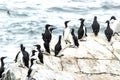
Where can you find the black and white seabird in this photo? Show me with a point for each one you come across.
(25, 57)
(75, 39)
(108, 31)
(115, 25)
(82, 31)
(40, 54)
(67, 33)
(32, 69)
(22, 57)
(95, 26)
(2, 68)
(47, 35)
(18, 57)
(58, 46)
(35, 55)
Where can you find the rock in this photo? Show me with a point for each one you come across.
(95, 59)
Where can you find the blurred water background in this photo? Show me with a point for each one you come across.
(23, 21)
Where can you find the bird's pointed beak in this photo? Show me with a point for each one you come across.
(4, 57)
(80, 19)
(35, 50)
(53, 28)
(34, 45)
(69, 20)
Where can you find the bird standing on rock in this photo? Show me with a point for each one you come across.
(46, 43)
(22, 57)
(58, 46)
(32, 69)
(115, 25)
(95, 26)
(82, 31)
(40, 54)
(75, 39)
(66, 33)
(108, 31)
(25, 57)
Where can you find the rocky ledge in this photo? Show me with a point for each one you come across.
(95, 59)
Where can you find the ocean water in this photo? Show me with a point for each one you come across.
(26, 19)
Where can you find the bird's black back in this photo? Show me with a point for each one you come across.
(75, 39)
(95, 26)
(40, 56)
(108, 31)
(47, 47)
(81, 30)
(58, 46)
(47, 36)
(25, 58)
(80, 33)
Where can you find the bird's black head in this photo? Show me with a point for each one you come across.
(81, 19)
(67, 22)
(2, 58)
(113, 17)
(107, 21)
(60, 36)
(33, 51)
(95, 17)
(38, 46)
(21, 46)
(47, 26)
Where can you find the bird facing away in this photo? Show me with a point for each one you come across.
(95, 26)
(58, 46)
(115, 25)
(108, 31)
(2, 68)
(40, 54)
(66, 32)
(82, 31)
(32, 69)
(25, 57)
(75, 39)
